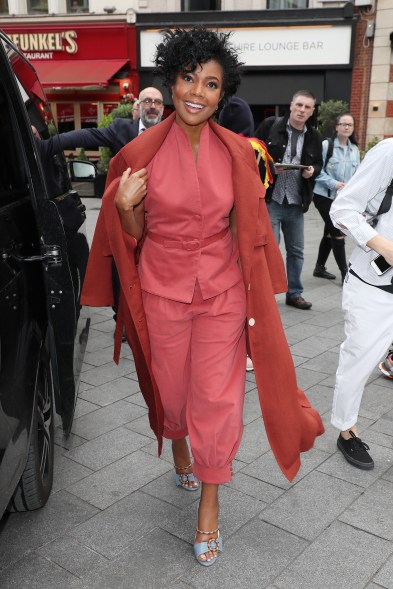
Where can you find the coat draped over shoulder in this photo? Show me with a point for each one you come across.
(291, 423)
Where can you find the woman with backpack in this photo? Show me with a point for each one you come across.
(341, 159)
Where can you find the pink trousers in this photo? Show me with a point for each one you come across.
(198, 360)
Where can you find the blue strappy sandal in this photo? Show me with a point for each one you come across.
(214, 544)
(184, 480)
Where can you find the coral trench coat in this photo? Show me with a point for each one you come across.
(291, 423)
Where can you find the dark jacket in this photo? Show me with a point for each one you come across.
(273, 131)
(115, 136)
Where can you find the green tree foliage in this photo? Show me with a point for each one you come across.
(327, 113)
(82, 155)
(123, 111)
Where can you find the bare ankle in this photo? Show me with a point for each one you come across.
(346, 434)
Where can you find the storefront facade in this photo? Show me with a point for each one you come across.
(283, 51)
(85, 69)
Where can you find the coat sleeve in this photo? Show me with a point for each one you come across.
(97, 288)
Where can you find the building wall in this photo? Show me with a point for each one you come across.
(361, 74)
(19, 7)
(380, 107)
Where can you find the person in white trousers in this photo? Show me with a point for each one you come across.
(367, 293)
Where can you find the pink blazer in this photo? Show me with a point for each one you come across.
(291, 423)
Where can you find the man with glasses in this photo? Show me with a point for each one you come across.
(118, 133)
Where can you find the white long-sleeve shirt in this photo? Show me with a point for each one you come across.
(358, 203)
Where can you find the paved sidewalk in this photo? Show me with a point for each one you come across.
(115, 519)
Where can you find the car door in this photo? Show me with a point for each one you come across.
(43, 241)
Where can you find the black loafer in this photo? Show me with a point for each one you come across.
(321, 272)
(298, 302)
(355, 452)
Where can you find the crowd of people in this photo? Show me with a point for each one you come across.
(191, 221)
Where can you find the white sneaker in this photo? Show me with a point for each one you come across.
(249, 364)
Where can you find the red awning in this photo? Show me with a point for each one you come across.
(84, 72)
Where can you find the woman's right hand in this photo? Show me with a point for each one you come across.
(382, 245)
(132, 189)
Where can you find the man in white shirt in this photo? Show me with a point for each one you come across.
(367, 293)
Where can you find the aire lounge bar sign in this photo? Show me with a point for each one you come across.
(275, 46)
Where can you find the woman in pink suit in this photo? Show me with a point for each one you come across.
(190, 192)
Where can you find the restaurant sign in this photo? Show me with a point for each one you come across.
(43, 45)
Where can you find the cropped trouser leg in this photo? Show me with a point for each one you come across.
(198, 361)
(368, 314)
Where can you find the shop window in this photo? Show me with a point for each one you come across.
(108, 107)
(286, 4)
(4, 7)
(65, 117)
(88, 115)
(37, 6)
(77, 5)
(191, 5)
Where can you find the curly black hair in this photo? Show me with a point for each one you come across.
(182, 50)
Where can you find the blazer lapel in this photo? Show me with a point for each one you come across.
(143, 148)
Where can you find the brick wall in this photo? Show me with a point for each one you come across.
(361, 76)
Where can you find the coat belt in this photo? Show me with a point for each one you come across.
(190, 245)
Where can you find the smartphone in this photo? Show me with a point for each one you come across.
(380, 265)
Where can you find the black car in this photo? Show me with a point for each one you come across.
(43, 256)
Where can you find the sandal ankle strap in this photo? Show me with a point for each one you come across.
(183, 467)
(207, 533)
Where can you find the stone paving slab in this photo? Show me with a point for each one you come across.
(116, 519)
(69, 554)
(372, 511)
(106, 419)
(236, 510)
(36, 572)
(324, 363)
(384, 577)
(255, 488)
(112, 530)
(156, 559)
(265, 468)
(337, 466)
(300, 510)
(24, 532)
(342, 557)
(252, 558)
(108, 393)
(107, 448)
(117, 480)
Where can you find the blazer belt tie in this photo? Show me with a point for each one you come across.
(190, 245)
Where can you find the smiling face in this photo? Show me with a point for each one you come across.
(302, 108)
(196, 95)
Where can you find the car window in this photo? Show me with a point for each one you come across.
(53, 167)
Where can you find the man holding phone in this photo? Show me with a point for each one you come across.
(363, 211)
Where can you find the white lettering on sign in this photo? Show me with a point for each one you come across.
(276, 46)
(47, 55)
(42, 42)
